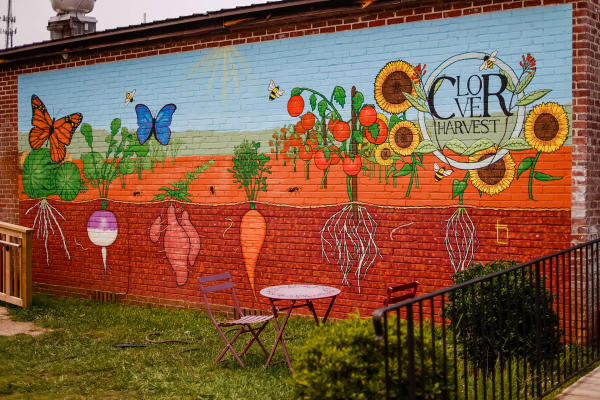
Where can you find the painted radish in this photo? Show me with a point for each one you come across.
(177, 247)
(102, 230)
(253, 230)
(189, 229)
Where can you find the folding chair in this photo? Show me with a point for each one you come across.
(244, 322)
(406, 291)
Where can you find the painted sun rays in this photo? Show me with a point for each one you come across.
(226, 61)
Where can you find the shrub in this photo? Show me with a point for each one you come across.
(342, 360)
(497, 318)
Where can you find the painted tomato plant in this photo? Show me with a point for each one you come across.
(249, 171)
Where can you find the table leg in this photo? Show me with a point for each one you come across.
(328, 309)
(311, 307)
(280, 335)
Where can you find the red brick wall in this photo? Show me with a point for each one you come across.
(584, 217)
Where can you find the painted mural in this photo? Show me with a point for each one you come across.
(354, 134)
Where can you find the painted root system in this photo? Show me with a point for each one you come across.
(44, 219)
(349, 236)
(460, 239)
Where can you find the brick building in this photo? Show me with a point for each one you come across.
(351, 143)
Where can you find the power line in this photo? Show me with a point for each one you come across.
(9, 31)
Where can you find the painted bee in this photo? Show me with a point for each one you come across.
(441, 172)
(293, 189)
(488, 61)
(274, 91)
(212, 190)
(129, 96)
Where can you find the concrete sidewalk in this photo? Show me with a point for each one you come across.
(8, 327)
(587, 387)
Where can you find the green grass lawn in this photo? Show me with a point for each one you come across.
(77, 358)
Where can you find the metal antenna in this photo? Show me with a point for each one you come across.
(9, 31)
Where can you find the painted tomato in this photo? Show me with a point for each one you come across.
(383, 133)
(341, 131)
(295, 140)
(331, 124)
(305, 154)
(321, 160)
(295, 105)
(334, 157)
(367, 116)
(308, 121)
(299, 128)
(352, 167)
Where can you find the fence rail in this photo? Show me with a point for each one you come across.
(518, 333)
(15, 264)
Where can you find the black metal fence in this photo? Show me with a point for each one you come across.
(518, 333)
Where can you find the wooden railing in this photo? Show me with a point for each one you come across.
(15, 264)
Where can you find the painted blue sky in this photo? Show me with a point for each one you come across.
(226, 89)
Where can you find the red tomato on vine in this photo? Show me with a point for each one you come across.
(367, 116)
(352, 167)
(308, 121)
(341, 131)
(295, 105)
(383, 133)
(321, 160)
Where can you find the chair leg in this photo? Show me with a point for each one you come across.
(229, 347)
(255, 332)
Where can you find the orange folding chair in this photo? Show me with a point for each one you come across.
(398, 293)
(244, 322)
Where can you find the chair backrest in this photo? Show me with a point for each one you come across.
(225, 284)
(398, 293)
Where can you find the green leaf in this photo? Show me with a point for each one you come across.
(357, 136)
(92, 166)
(38, 174)
(458, 187)
(374, 130)
(357, 101)
(533, 96)
(438, 84)
(405, 170)
(313, 101)
(523, 84)
(509, 83)
(479, 145)
(426, 147)
(393, 121)
(86, 131)
(295, 92)
(68, 181)
(141, 150)
(540, 176)
(524, 166)
(127, 166)
(516, 144)
(339, 94)
(415, 102)
(322, 108)
(146, 163)
(456, 146)
(420, 92)
(114, 126)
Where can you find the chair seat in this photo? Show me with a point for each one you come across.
(247, 319)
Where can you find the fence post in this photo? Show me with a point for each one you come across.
(26, 279)
(538, 330)
(410, 338)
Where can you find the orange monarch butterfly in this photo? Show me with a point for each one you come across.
(59, 131)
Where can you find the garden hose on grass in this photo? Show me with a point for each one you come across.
(153, 342)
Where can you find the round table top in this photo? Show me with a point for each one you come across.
(299, 292)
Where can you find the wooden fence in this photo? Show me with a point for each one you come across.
(15, 264)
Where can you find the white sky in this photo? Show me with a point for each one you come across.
(32, 15)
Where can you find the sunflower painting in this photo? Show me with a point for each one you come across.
(495, 177)
(404, 138)
(547, 127)
(384, 155)
(394, 79)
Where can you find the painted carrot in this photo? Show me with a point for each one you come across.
(155, 230)
(189, 229)
(177, 247)
(253, 230)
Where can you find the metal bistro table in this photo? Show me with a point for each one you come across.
(294, 293)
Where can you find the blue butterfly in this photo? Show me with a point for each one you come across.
(147, 124)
